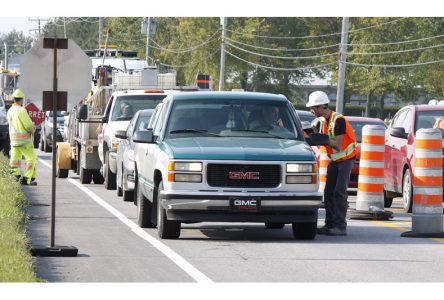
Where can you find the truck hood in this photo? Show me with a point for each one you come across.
(259, 149)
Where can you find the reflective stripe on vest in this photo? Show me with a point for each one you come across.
(351, 147)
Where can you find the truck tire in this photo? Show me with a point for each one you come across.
(387, 201)
(144, 211)
(46, 148)
(85, 176)
(110, 177)
(272, 225)
(407, 191)
(166, 229)
(305, 230)
(41, 143)
(97, 177)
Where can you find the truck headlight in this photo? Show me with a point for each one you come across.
(181, 177)
(301, 168)
(301, 179)
(115, 143)
(185, 166)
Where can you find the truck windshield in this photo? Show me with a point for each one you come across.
(233, 118)
(126, 106)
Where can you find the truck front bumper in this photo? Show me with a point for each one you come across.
(283, 208)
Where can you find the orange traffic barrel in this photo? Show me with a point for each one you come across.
(427, 211)
(370, 197)
(324, 161)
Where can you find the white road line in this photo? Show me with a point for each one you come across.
(168, 252)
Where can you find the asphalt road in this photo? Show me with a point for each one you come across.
(112, 248)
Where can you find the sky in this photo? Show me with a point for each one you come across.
(13, 18)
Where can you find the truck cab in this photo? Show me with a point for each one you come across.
(226, 157)
(121, 107)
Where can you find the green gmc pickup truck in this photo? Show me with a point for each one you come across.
(225, 157)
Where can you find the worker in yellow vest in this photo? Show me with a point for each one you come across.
(341, 149)
(21, 129)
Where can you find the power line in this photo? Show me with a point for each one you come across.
(193, 63)
(395, 66)
(280, 69)
(393, 52)
(398, 43)
(313, 36)
(282, 57)
(182, 50)
(282, 48)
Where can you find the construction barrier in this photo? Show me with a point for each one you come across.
(370, 197)
(427, 212)
(324, 161)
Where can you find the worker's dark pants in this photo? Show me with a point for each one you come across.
(335, 193)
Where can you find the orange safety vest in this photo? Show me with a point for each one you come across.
(349, 146)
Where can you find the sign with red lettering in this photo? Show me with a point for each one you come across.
(36, 115)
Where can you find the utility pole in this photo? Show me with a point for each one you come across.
(100, 31)
(64, 27)
(342, 66)
(148, 31)
(222, 53)
(38, 20)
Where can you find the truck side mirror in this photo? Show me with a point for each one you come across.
(82, 112)
(121, 134)
(143, 136)
(399, 132)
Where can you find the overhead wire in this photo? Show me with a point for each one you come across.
(189, 49)
(313, 36)
(193, 63)
(393, 66)
(277, 68)
(395, 51)
(282, 48)
(281, 57)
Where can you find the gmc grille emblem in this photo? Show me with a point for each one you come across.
(243, 175)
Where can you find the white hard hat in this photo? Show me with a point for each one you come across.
(433, 102)
(317, 98)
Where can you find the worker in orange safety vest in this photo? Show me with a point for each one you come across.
(341, 149)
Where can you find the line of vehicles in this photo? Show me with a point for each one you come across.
(187, 154)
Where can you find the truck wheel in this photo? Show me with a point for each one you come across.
(305, 230)
(144, 209)
(271, 225)
(128, 195)
(46, 148)
(387, 201)
(41, 143)
(97, 177)
(407, 191)
(119, 188)
(85, 176)
(166, 229)
(35, 141)
(110, 177)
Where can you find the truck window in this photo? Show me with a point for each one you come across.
(233, 118)
(126, 106)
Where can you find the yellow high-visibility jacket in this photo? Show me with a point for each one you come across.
(20, 125)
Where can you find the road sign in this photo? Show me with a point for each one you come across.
(37, 116)
(73, 73)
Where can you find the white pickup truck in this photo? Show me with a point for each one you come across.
(226, 157)
(119, 111)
